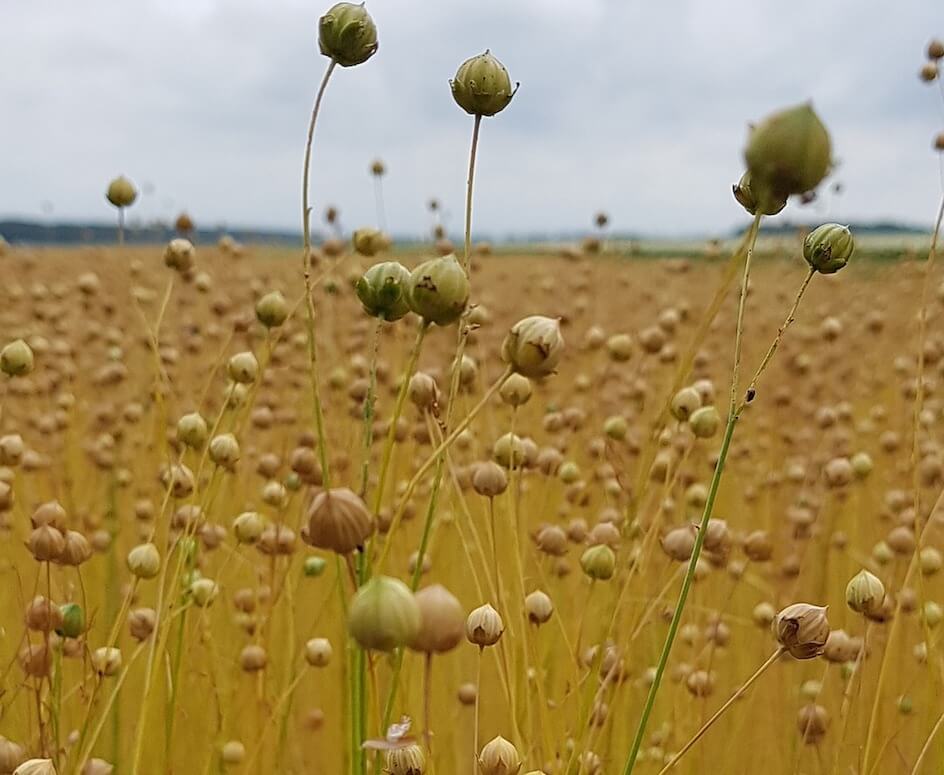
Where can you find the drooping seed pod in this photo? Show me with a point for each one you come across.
(745, 197)
(406, 760)
(482, 86)
(16, 359)
(442, 621)
(318, 652)
(538, 607)
(865, 593)
(802, 629)
(272, 310)
(533, 346)
(144, 561)
(347, 34)
(121, 192)
(338, 520)
(788, 153)
(499, 757)
(384, 614)
(383, 290)
(828, 248)
(438, 290)
(598, 562)
(484, 626)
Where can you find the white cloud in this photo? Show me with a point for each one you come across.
(636, 108)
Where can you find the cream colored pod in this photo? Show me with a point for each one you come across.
(865, 593)
(272, 309)
(533, 346)
(16, 359)
(484, 626)
(499, 757)
(384, 614)
(36, 767)
(802, 629)
(144, 561)
(438, 290)
(179, 254)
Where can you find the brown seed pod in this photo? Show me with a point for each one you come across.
(442, 621)
(338, 519)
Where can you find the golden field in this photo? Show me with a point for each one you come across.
(224, 680)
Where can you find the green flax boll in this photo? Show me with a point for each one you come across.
(384, 614)
(828, 248)
(482, 86)
(438, 290)
(16, 359)
(382, 290)
(347, 34)
(121, 192)
(787, 153)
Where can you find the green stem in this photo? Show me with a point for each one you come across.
(706, 516)
(467, 255)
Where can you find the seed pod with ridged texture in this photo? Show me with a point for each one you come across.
(533, 346)
(382, 290)
(347, 34)
(408, 760)
(338, 520)
(539, 607)
(484, 626)
(828, 248)
(744, 195)
(482, 86)
(865, 593)
(499, 757)
(384, 614)
(272, 309)
(802, 629)
(599, 562)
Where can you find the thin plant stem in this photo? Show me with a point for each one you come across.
(478, 694)
(927, 744)
(306, 266)
(706, 516)
(467, 250)
(718, 713)
(369, 407)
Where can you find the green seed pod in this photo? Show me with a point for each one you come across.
(744, 194)
(705, 422)
(16, 359)
(828, 248)
(272, 309)
(482, 86)
(368, 241)
(314, 566)
(384, 614)
(121, 192)
(533, 347)
(73, 620)
(383, 290)
(787, 153)
(347, 34)
(684, 403)
(438, 290)
(599, 562)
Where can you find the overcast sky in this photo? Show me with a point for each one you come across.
(636, 107)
